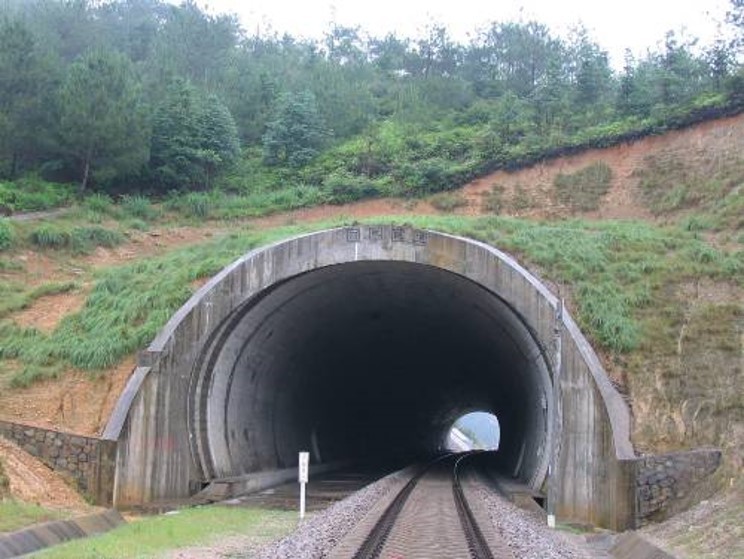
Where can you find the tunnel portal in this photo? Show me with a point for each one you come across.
(363, 345)
(369, 363)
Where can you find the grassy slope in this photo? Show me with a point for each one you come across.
(151, 536)
(15, 515)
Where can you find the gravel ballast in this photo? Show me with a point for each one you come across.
(317, 535)
(524, 532)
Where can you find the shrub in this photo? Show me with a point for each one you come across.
(99, 204)
(83, 239)
(493, 201)
(79, 239)
(49, 236)
(137, 225)
(138, 207)
(6, 234)
(448, 201)
(584, 189)
(521, 199)
(33, 194)
(193, 204)
(344, 188)
(4, 483)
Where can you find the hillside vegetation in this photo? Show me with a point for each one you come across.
(148, 97)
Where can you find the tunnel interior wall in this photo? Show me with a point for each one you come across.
(367, 361)
(163, 452)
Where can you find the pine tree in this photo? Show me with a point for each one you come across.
(23, 81)
(102, 124)
(297, 131)
(193, 138)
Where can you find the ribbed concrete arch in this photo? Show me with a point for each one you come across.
(365, 343)
(298, 366)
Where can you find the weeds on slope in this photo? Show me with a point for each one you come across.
(124, 311)
(612, 271)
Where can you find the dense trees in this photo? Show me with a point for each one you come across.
(101, 124)
(296, 133)
(23, 83)
(112, 91)
(193, 137)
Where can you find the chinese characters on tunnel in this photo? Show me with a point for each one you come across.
(378, 234)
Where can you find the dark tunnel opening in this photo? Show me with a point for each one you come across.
(368, 362)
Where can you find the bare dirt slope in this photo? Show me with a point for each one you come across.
(33, 482)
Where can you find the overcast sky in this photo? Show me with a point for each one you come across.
(637, 24)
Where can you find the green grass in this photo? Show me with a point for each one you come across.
(139, 207)
(712, 188)
(80, 240)
(125, 309)
(152, 536)
(99, 204)
(15, 296)
(6, 234)
(30, 194)
(15, 515)
(614, 270)
(4, 484)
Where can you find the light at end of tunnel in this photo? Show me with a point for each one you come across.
(474, 431)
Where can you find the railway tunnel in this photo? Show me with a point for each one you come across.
(370, 362)
(362, 345)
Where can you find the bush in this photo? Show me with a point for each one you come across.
(493, 201)
(49, 236)
(84, 239)
(4, 483)
(194, 204)
(79, 239)
(448, 201)
(6, 234)
(138, 207)
(99, 204)
(34, 194)
(197, 204)
(584, 189)
(344, 188)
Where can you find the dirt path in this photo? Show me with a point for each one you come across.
(31, 216)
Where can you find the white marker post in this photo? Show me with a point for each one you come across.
(304, 466)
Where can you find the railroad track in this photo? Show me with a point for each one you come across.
(430, 517)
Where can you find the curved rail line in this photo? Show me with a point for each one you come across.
(478, 548)
(476, 542)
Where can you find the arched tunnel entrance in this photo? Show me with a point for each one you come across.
(369, 362)
(364, 344)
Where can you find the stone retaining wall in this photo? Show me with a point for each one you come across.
(87, 462)
(670, 483)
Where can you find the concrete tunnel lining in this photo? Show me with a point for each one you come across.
(367, 362)
(161, 423)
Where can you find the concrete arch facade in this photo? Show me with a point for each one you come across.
(244, 374)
